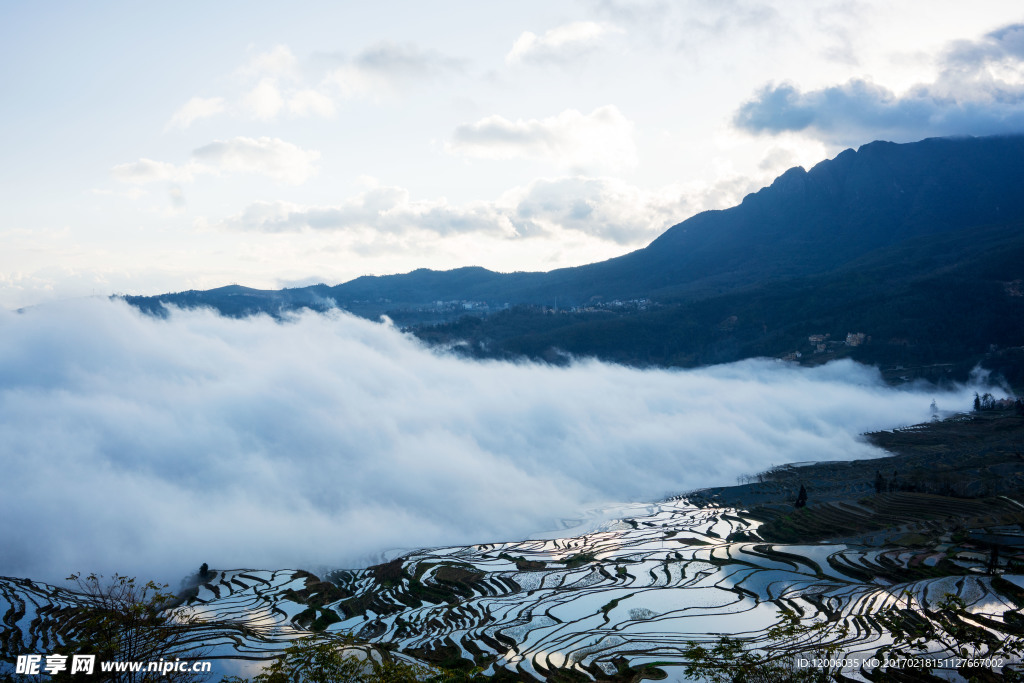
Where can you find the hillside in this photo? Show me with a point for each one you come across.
(950, 300)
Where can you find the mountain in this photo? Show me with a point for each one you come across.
(893, 240)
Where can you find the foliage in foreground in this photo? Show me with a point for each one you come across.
(729, 660)
(125, 620)
(318, 659)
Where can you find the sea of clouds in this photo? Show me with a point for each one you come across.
(147, 446)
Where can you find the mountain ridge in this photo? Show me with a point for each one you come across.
(871, 230)
(715, 244)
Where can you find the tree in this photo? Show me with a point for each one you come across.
(125, 620)
(801, 498)
(951, 630)
(730, 660)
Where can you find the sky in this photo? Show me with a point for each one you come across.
(155, 147)
(147, 446)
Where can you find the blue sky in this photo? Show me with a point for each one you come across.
(152, 148)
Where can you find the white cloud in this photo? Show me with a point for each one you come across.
(149, 171)
(273, 81)
(378, 210)
(271, 157)
(149, 446)
(264, 101)
(607, 209)
(195, 109)
(309, 102)
(351, 82)
(276, 81)
(279, 61)
(600, 140)
(700, 27)
(561, 44)
(405, 60)
(387, 68)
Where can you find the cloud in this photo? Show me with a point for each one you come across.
(149, 446)
(405, 60)
(310, 102)
(380, 210)
(278, 61)
(602, 139)
(605, 208)
(842, 23)
(697, 26)
(264, 101)
(609, 209)
(195, 109)
(1004, 43)
(277, 81)
(561, 44)
(860, 109)
(386, 68)
(635, 11)
(148, 171)
(271, 157)
(979, 91)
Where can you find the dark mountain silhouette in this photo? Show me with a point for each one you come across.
(891, 239)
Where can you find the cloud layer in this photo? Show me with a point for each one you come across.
(979, 91)
(607, 209)
(150, 446)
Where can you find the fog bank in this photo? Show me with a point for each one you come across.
(149, 446)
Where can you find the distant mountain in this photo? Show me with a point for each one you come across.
(873, 238)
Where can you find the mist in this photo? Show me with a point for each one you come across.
(148, 446)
